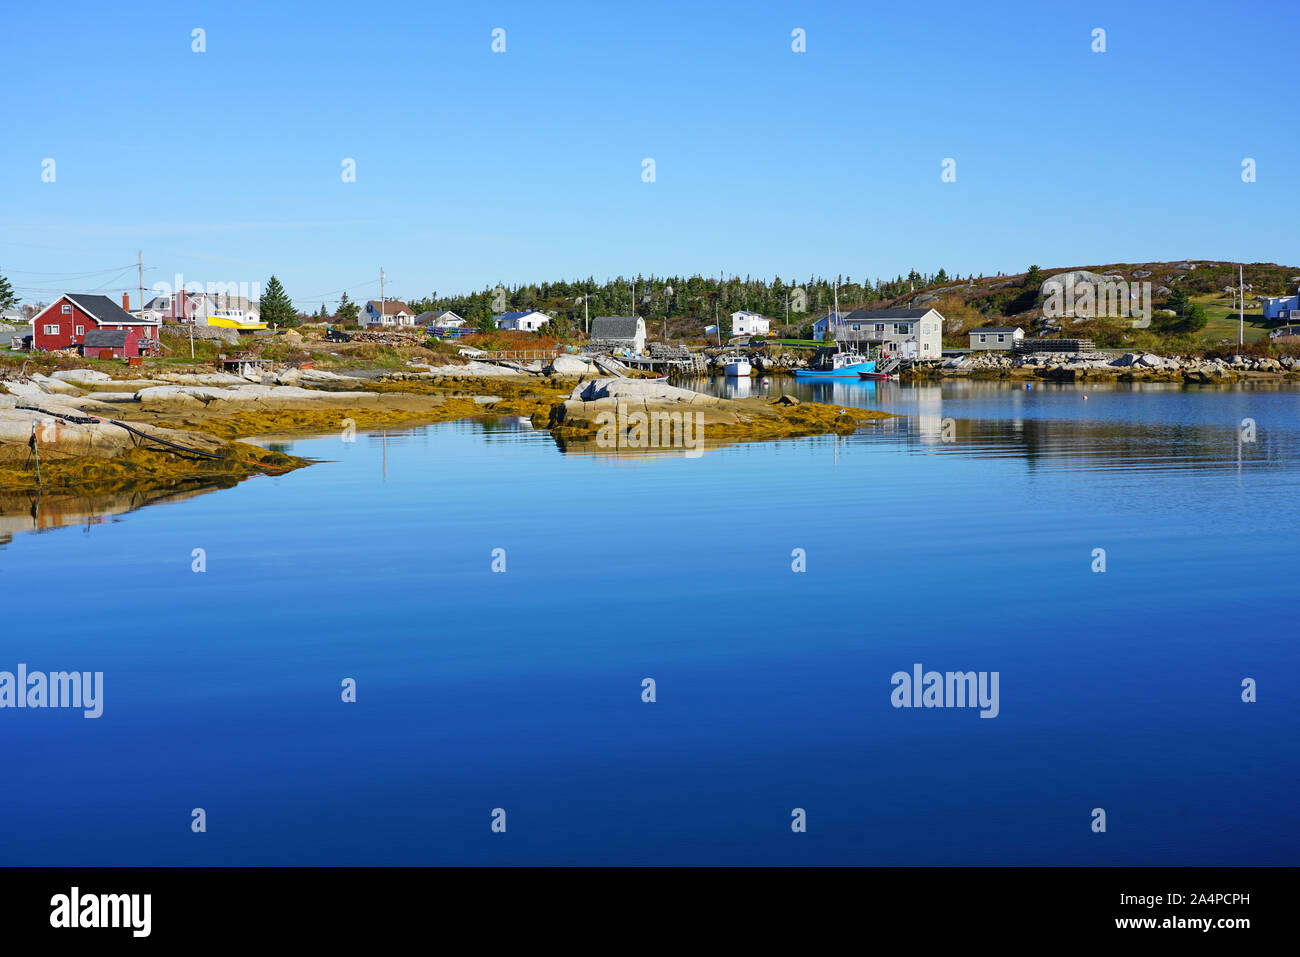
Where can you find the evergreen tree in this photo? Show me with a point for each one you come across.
(276, 307)
(1034, 277)
(7, 298)
(1178, 301)
(348, 310)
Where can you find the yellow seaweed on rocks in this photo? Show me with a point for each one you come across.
(146, 468)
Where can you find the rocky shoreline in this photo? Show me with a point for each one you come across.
(1131, 366)
(91, 431)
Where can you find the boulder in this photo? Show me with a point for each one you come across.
(1063, 282)
(568, 365)
(82, 375)
(55, 386)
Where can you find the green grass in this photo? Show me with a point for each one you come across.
(1223, 322)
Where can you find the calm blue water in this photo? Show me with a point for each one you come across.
(522, 690)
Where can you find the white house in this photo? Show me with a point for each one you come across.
(392, 312)
(746, 323)
(1281, 307)
(618, 332)
(177, 307)
(995, 338)
(522, 321)
(909, 333)
(440, 320)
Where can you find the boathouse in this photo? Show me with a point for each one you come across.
(614, 333)
(111, 344)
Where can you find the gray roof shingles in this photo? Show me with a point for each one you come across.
(102, 308)
(613, 327)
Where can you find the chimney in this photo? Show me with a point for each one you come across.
(126, 302)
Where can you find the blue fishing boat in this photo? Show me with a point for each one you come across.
(844, 365)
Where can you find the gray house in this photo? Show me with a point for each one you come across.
(910, 333)
(619, 332)
(993, 338)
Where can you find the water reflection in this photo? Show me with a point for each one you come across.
(42, 511)
(1113, 425)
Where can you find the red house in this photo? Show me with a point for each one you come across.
(64, 323)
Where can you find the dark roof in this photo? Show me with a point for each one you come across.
(875, 315)
(1003, 329)
(106, 339)
(614, 327)
(391, 306)
(102, 308)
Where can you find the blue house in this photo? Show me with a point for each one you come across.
(819, 327)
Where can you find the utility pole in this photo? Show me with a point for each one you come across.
(668, 299)
(382, 310)
(139, 256)
(586, 313)
(1241, 291)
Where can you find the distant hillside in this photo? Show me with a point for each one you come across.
(1209, 288)
(685, 305)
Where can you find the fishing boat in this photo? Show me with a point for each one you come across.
(736, 366)
(234, 319)
(844, 365)
(874, 376)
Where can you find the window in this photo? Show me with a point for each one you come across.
(983, 338)
(81, 330)
(857, 326)
(67, 310)
(52, 329)
(880, 327)
(901, 328)
(1001, 337)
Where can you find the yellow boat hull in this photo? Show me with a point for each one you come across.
(235, 323)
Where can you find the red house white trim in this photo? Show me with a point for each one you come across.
(63, 323)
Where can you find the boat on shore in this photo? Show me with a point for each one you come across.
(234, 319)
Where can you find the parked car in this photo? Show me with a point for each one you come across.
(337, 335)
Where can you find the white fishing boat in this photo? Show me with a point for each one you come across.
(737, 366)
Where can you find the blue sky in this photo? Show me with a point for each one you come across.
(475, 167)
